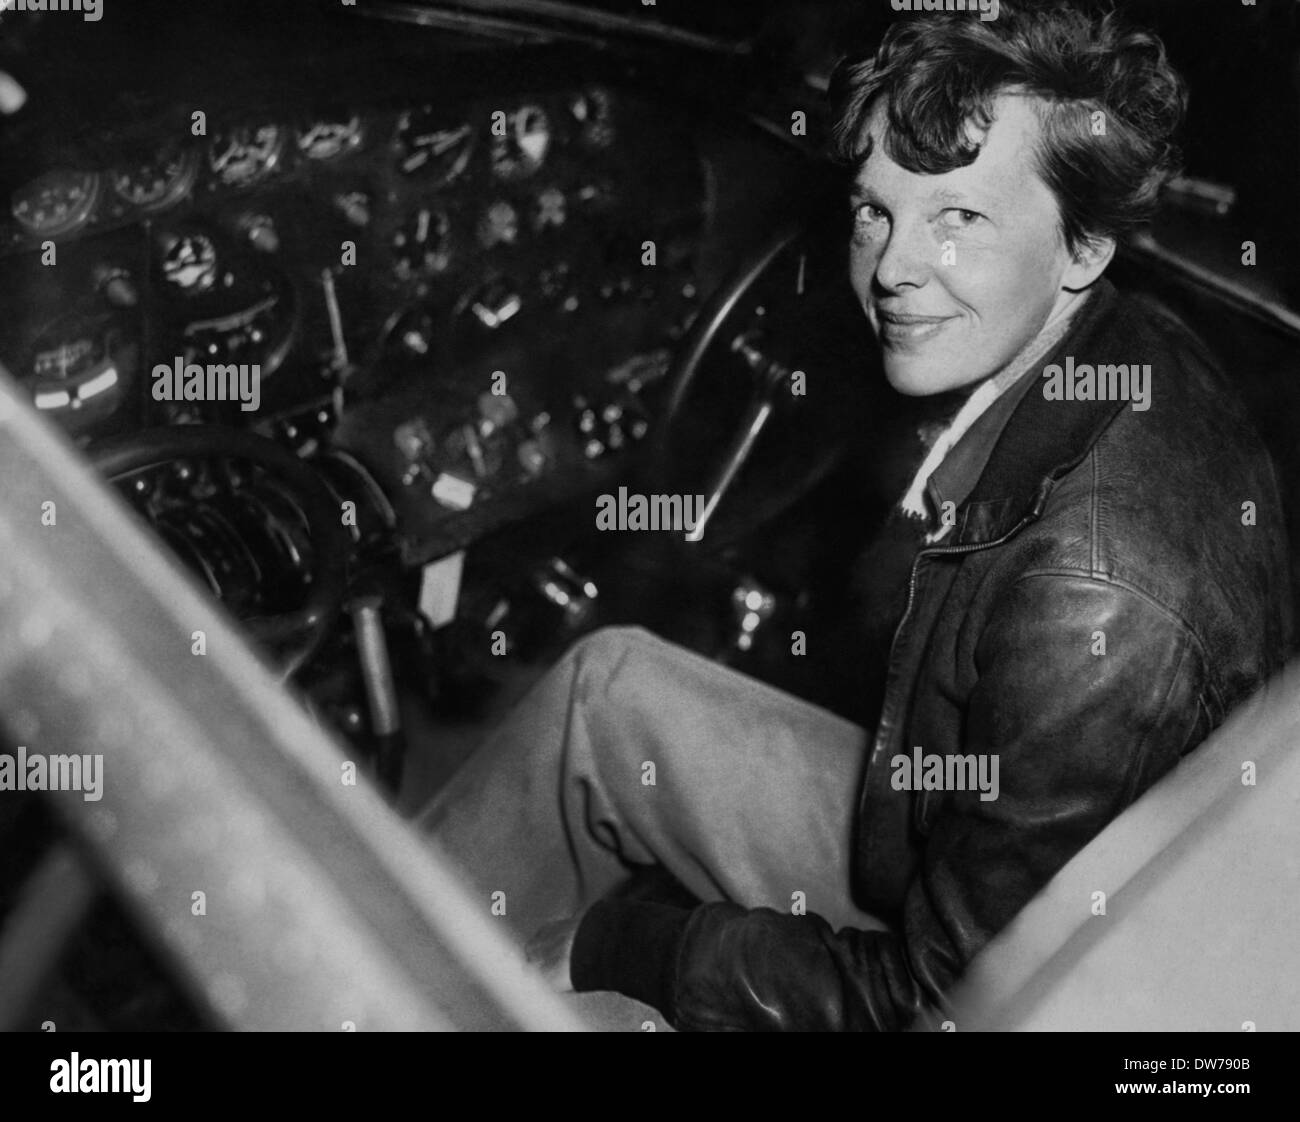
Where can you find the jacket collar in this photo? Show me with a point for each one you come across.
(1043, 440)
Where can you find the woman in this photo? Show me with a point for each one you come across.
(1097, 575)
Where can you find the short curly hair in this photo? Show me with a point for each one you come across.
(940, 73)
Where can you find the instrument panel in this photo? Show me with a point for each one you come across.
(429, 145)
(449, 291)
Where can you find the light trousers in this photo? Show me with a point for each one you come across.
(633, 751)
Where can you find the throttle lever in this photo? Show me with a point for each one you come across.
(772, 375)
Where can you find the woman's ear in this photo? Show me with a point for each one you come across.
(1088, 263)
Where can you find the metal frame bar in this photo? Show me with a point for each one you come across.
(321, 908)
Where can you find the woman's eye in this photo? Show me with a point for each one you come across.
(961, 218)
(867, 214)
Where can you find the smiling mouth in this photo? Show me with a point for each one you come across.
(898, 330)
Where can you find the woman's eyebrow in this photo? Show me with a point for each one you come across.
(860, 193)
(954, 198)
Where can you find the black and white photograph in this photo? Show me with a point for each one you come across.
(650, 516)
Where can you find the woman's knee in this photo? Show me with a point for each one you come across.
(620, 665)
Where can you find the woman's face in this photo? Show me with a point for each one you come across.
(958, 272)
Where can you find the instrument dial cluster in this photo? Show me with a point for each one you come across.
(244, 156)
(156, 180)
(433, 147)
(399, 255)
(327, 138)
(542, 187)
(185, 169)
(56, 203)
(417, 152)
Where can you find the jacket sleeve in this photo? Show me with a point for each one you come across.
(1077, 733)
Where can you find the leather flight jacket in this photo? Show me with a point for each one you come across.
(1116, 582)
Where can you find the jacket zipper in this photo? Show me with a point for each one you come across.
(950, 551)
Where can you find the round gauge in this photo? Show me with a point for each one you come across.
(422, 244)
(499, 225)
(329, 138)
(56, 203)
(255, 324)
(428, 146)
(82, 364)
(523, 148)
(593, 109)
(189, 262)
(244, 156)
(355, 206)
(159, 180)
(549, 209)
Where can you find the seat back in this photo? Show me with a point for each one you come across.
(1181, 915)
(1258, 345)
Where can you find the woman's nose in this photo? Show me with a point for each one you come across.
(908, 258)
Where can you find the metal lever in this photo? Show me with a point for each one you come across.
(772, 375)
(381, 692)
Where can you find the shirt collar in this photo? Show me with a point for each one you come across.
(953, 480)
